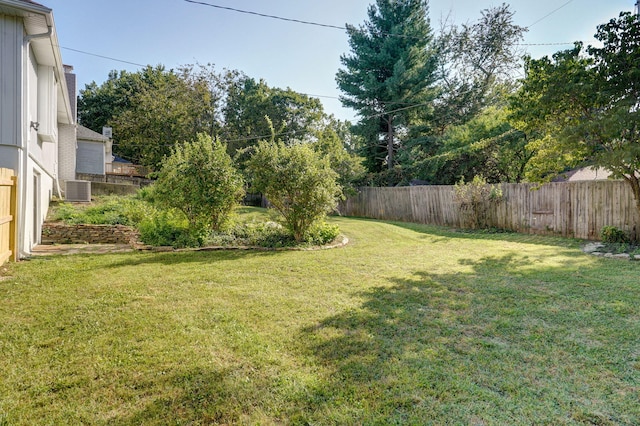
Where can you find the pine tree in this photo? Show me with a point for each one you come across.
(388, 76)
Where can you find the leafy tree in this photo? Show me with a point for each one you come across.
(330, 144)
(199, 179)
(253, 111)
(151, 110)
(486, 145)
(477, 64)
(298, 183)
(388, 77)
(160, 115)
(587, 109)
(98, 104)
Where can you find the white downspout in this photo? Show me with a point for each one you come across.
(26, 129)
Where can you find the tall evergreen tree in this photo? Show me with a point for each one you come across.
(388, 76)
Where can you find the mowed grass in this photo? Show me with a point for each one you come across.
(408, 324)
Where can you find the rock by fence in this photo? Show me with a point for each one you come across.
(59, 233)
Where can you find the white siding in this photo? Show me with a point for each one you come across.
(11, 34)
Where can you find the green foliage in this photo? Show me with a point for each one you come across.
(299, 184)
(475, 198)
(254, 111)
(111, 210)
(477, 61)
(200, 180)
(585, 109)
(266, 234)
(170, 228)
(486, 145)
(613, 235)
(392, 65)
(151, 110)
(346, 164)
(321, 233)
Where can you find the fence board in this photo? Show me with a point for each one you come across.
(570, 209)
(8, 225)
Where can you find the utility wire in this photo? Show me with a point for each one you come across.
(264, 15)
(101, 56)
(300, 22)
(550, 13)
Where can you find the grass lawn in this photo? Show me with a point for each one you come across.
(408, 324)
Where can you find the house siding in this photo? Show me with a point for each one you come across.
(90, 157)
(66, 153)
(11, 35)
(32, 90)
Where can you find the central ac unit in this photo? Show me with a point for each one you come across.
(78, 190)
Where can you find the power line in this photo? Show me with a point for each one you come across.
(549, 44)
(101, 56)
(264, 15)
(297, 21)
(550, 13)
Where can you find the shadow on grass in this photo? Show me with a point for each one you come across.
(201, 396)
(174, 258)
(464, 347)
(457, 348)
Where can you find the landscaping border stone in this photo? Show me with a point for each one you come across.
(60, 233)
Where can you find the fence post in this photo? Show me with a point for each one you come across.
(13, 231)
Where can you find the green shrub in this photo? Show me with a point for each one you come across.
(67, 213)
(475, 199)
(263, 234)
(322, 233)
(112, 210)
(613, 235)
(170, 228)
(299, 184)
(200, 180)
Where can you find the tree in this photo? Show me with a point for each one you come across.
(486, 145)
(253, 110)
(298, 183)
(587, 108)
(153, 109)
(476, 67)
(330, 144)
(98, 104)
(388, 77)
(199, 179)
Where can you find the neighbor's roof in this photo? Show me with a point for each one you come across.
(584, 173)
(86, 134)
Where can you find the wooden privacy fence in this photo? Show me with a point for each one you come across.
(8, 221)
(570, 209)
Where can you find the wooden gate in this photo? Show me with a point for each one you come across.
(8, 220)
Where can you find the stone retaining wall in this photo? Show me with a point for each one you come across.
(59, 233)
(113, 178)
(101, 188)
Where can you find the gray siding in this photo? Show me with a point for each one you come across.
(11, 35)
(90, 158)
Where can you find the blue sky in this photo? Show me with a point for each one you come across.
(302, 57)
